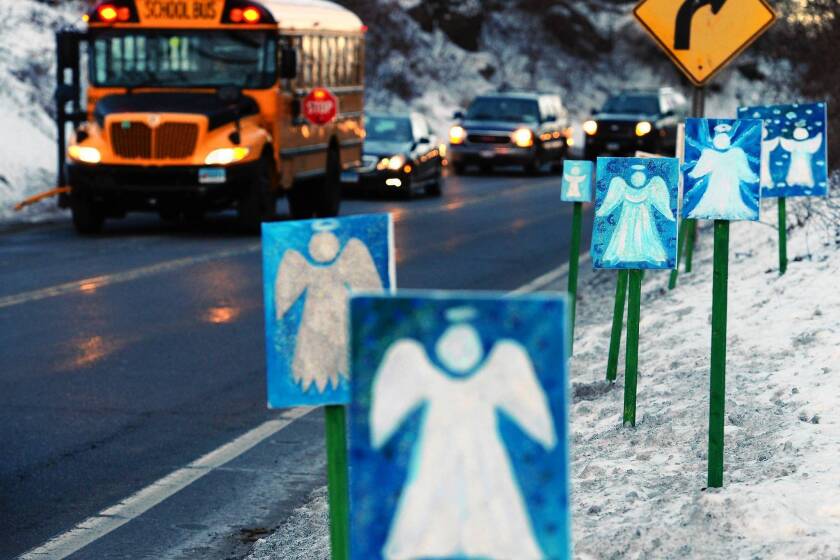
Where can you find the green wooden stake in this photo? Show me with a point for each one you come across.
(690, 241)
(717, 398)
(631, 370)
(672, 282)
(617, 325)
(337, 475)
(574, 263)
(783, 260)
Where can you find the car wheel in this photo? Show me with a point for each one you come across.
(436, 187)
(88, 217)
(329, 202)
(258, 203)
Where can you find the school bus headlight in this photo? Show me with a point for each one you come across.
(523, 138)
(643, 128)
(85, 154)
(457, 134)
(590, 127)
(225, 156)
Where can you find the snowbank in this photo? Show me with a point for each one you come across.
(27, 83)
(640, 492)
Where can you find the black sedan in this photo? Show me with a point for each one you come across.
(401, 157)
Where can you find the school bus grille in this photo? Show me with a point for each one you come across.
(137, 140)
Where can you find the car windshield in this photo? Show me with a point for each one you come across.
(179, 58)
(644, 104)
(504, 109)
(388, 129)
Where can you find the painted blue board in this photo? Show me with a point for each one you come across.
(636, 213)
(794, 148)
(577, 181)
(721, 171)
(458, 427)
(309, 269)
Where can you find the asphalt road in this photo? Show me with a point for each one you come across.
(125, 357)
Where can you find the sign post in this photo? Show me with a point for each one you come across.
(576, 187)
(338, 486)
(717, 395)
(783, 260)
(631, 372)
(617, 325)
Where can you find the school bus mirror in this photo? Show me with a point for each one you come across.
(288, 63)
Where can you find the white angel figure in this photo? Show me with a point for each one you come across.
(320, 355)
(462, 498)
(725, 166)
(801, 150)
(574, 179)
(636, 239)
(767, 148)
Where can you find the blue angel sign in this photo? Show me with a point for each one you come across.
(635, 213)
(309, 269)
(458, 427)
(793, 148)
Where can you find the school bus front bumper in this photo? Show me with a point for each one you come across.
(137, 187)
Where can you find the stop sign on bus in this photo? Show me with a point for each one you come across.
(320, 106)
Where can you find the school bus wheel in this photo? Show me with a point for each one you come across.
(258, 203)
(88, 216)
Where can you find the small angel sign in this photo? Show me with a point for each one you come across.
(721, 172)
(309, 269)
(577, 181)
(793, 148)
(458, 428)
(635, 213)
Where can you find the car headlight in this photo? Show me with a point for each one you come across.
(225, 156)
(643, 128)
(590, 127)
(394, 163)
(457, 135)
(523, 138)
(85, 154)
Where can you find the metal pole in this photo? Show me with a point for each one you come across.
(698, 109)
(783, 260)
(574, 263)
(337, 478)
(717, 396)
(617, 325)
(632, 358)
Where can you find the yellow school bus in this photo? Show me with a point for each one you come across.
(195, 106)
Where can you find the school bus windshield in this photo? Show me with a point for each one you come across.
(245, 59)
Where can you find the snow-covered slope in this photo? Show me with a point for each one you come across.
(27, 83)
(640, 492)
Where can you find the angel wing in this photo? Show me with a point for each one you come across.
(357, 269)
(770, 144)
(660, 197)
(812, 145)
(403, 382)
(293, 276)
(705, 164)
(615, 195)
(742, 162)
(517, 391)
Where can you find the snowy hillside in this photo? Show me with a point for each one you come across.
(640, 492)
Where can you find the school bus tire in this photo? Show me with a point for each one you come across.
(258, 203)
(88, 217)
(329, 204)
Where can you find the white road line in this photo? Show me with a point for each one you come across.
(107, 520)
(116, 516)
(92, 284)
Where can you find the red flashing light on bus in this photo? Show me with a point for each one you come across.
(107, 13)
(245, 15)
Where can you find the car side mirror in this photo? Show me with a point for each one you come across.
(423, 140)
(549, 118)
(458, 115)
(288, 63)
(669, 113)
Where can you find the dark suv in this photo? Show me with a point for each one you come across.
(528, 129)
(634, 120)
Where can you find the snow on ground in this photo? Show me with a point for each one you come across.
(640, 492)
(27, 83)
